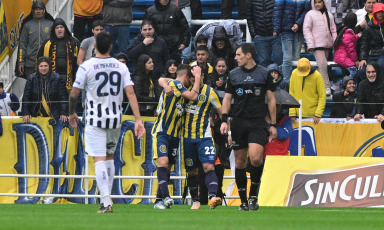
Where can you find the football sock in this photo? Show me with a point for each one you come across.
(102, 182)
(111, 173)
(255, 179)
(241, 182)
(192, 183)
(211, 183)
(162, 176)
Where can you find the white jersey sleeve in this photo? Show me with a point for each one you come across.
(80, 77)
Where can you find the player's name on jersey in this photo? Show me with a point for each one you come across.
(106, 65)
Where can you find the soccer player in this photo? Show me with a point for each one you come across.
(166, 130)
(248, 84)
(197, 143)
(104, 79)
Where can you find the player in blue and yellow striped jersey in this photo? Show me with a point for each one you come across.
(166, 130)
(197, 143)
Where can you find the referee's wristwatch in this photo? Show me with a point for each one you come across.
(274, 125)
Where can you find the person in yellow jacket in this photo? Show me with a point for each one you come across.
(307, 84)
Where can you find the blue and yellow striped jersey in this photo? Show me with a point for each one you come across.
(196, 118)
(170, 110)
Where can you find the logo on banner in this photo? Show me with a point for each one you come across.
(353, 187)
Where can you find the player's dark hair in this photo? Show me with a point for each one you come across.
(182, 69)
(202, 48)
(248, 48)
(97, 23)
(146, 22)
(103, 42)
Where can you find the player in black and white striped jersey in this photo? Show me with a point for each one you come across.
(104, 79)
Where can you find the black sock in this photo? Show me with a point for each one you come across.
(241, 182)
(211, 183)
(219, 170)
(158, 195)
(255, 179)
(162, 176)
(192, 183)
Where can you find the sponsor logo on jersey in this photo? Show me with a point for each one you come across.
(249, 78)
(240, 91)
(163, 149)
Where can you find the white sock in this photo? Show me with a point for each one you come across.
(102, 182)
(111, 173)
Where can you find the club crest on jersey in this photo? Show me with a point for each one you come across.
(163, 149)
(202, 98)
(240, 91)
(179, 86)
(257, 91)
(189, 162)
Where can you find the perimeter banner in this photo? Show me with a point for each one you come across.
(322, 182)
(47, 147)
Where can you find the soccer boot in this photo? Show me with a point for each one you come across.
(168, 202)
(243, 207)
(215, 201)
(253, 204)
(104, 209)
(159, 205)
(195, 205)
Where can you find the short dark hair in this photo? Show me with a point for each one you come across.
(43, 59)
(146, 22)
(1, 85)
(365, 1)
(182, 69)
(97, 23)
(248, 48)
(202, 48)
(103, 42)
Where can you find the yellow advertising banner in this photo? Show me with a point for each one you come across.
(322, 182)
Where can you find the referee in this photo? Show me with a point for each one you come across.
(247, 85)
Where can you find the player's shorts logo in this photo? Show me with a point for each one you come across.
(163, 149)
(202, 98)
(240, 91)
(188, 162)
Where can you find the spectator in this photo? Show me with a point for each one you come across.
(202, 56)
(260, 24)
(199, 40)
(196, 10)
(122, 58)
(45, 94)
(231, 27)
(307, 84)
(170, 24)
(85, 13)
(222, 47)
(345, 45)
(340, 9)
(370, 95)
(219, 76)
(62, 49)
(145, 86)
(344, 106)
(117, 19)
(9, 102)
(87, 46)
(149, 43)
(227, 8)
(372, 41)
(288, 18)
(364, 15)
(170, 69)
(274, 71)
(320, 32)
(34, 30)
(184, 6)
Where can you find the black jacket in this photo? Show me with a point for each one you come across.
(372, 41)
(259, 17)
(347, 107)
(370, 92)
(228, 52)
(170, 24)
(157, 50)
(142, 86)
(57, 95)
(215, 77)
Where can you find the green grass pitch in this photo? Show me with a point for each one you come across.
(77, 216)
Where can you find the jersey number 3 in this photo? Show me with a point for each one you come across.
(114, 79)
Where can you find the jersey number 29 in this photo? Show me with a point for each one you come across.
(114, 79)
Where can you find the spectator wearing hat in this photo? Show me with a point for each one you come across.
(36, 27)
(9, 103)
(345, 100)
(306, 84)
(199, 40)
(222, 47)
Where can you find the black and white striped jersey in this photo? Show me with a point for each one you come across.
(104, 80)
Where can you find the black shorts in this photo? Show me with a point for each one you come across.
(246, 131)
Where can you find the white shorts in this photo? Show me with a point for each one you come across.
(100, 142)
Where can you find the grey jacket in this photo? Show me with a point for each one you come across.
(118, 12)
(33, 34)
